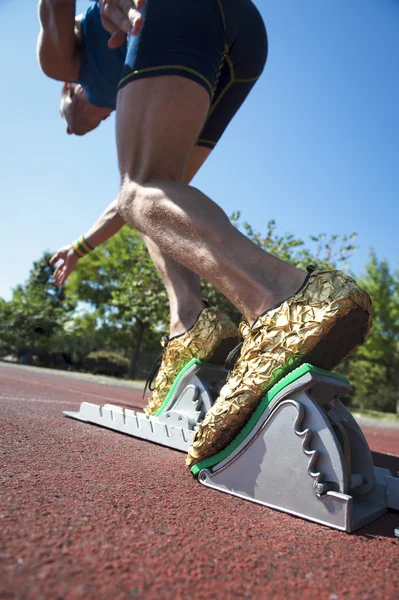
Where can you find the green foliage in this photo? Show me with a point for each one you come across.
(374, 369)
(104, 362)
(120, 281)
(6, 330)
(327, 251)
(80, 336)
(128, 311)
(35, 314)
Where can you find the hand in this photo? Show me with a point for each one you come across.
(68, 262)
(121, 18)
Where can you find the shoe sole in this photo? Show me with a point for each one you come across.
(339, 343)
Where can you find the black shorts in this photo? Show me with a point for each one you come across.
(220, 44)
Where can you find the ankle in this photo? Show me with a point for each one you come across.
(183, 318)
(283, 288)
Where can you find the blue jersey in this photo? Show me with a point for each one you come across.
(100, 67)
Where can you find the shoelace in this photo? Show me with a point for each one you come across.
(157, 364)
(232, 357)
(155, 368)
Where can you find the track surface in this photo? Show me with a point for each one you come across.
(89, 513)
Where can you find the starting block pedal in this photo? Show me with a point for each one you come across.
(301, 452)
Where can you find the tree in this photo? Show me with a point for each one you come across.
(120, 281)
(374, 368)
(37, 310)
(327, 251)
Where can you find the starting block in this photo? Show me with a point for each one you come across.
(301, 452)
(194, 391)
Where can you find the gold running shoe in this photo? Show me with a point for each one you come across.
(210, 339)
(321, 324)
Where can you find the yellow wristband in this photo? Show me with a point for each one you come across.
(81, 247)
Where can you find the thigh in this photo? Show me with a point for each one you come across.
(183, 37)
(158, 121)
(170, 76)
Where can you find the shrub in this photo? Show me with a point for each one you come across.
(43, 357)
(104, 362)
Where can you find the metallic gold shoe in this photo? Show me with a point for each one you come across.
(210, 339)
(321, 324)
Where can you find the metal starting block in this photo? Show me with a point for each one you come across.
(191, 396)
(301, 452)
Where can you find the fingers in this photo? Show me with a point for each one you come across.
(61, 274)
(64, 269)
(62, 277)
(59, 255)
(138, 21)
(122, 15)
(131, 8)
(116, 39)
(55, 258)
(115, 14)
(57, 275)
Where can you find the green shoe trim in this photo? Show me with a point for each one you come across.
(246, 430)
(165, 403)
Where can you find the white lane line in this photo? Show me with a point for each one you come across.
(99, 397)
(62, 402)
(15, 398)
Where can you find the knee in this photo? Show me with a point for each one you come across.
(127, 201)
(138, 202)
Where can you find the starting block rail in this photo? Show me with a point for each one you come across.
(136, 424)
(174, 425)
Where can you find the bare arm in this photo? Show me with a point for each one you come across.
(58, 41)
(107, 225)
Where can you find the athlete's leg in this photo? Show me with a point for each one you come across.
(195, 332)
(239, 72)
(158, 122)
(182, 285)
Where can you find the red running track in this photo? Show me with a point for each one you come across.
(86, 513)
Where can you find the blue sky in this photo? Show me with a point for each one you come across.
(315, 147)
